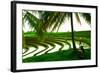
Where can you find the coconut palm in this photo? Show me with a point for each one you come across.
(87, 18)
(54, 20)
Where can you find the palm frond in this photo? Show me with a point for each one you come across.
(77, 18)
(87, 17)
(34, 22)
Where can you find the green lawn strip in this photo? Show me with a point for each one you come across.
(29, 34)
(57, 56)
(61, 34)
(85, 35)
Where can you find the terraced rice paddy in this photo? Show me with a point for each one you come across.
(53, 43)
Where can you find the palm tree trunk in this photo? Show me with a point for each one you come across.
(72, 29)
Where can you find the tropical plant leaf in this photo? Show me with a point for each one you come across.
(86, 16)
(78, 18)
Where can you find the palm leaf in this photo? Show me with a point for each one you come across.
(87, 17)
(34, 22)
(78, 18)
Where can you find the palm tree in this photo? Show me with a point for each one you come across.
(55, 19)
(72, 29)
(34, 22)
(47, 19)
(87, 18)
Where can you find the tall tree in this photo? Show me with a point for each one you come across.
(54, 20)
